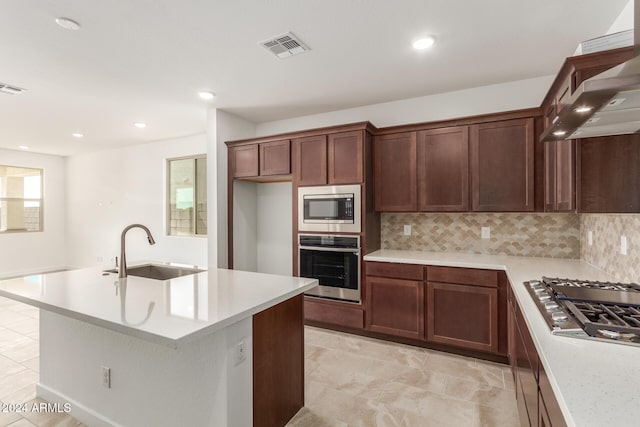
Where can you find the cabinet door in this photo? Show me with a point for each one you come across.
(565, 178)
(550, 156)
(443, 169)
(502, 166)
(609, 174)
(395, 173)
(462, 315)
(275, 158)
(395, 307)
(244, 160)
(311, 160)
(346, 162)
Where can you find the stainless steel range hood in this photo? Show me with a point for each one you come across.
(606, 104)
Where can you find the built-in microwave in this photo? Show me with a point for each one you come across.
(330, 208)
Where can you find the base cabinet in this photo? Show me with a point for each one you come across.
(333, 313)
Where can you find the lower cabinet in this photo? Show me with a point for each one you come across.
(460, 307)
(537, 404)
(395, 299)
(331, 312)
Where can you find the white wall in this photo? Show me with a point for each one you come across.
(624, 21)
(22, 253)
(469, 102)
(274, 228)
(245, 225)
(108, 190)
(221, 127)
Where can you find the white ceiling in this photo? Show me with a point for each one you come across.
(145, 60)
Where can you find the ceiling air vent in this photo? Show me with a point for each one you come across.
(285, 45)
(11, 90)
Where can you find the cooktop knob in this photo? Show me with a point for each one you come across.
(544, 297)
(551, 306)
(559, 317)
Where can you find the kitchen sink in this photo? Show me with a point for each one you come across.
(158, 272)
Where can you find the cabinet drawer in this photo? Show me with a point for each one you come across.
(318, 311)
(463, 276)
(395, 270)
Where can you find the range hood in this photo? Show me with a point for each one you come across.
(606, 104)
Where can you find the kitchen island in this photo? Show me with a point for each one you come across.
(195, 350)
(594, 382)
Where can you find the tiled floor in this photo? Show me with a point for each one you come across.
(356, 381)
(350, 381)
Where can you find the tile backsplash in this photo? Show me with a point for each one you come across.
(604, 252)
(522, 234)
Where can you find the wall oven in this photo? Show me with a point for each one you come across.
(334, 261)
(329, 208)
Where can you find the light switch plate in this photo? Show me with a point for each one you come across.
(407, 230)
(623, 245)
(590, 238)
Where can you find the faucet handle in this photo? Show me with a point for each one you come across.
(116, 262)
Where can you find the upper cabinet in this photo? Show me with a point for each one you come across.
(502, 166)
(260, 160)
(394, 172)
(610, 174)
(336, 158)
(443, 169)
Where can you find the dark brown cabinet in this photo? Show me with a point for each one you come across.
(275, 158)
(559, 176)
(609, 174)
(334, 159)
(502, 166)
(537, 404)
(395, 173)
(395, 303)
(443, 169)
(265, 159)
(310, 156)
(346, 165)
(462, 308)
(244, 161)
(323, 311)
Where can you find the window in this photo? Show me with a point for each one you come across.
(187, 198)
(20, 199)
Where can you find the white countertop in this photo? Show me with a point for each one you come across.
(596, 383)
(168, 312)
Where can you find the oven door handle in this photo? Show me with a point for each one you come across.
(313, 248)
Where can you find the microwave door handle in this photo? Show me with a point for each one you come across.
(313, 248)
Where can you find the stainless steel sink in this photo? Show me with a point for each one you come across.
(158, 272)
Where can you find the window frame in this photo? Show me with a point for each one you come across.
(167, 193)
(24, 199)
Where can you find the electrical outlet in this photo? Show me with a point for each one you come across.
(106, 377)
(590, 238)
(241, 352)
(623, 245)
(407, 230)
(485, 232)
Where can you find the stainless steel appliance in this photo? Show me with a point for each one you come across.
(334, 261)
(601, 311)
(330, 208)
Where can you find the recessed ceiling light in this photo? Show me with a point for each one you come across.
(68, 24)
(559, 132)
(23, 147)
(77, 135)
(424, 43)
(583, 109)
(207, 96)
(140, 125)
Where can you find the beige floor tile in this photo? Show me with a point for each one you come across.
(23, 394)
(11, 316)
(308, 418)
(11, 384)
(8, 366)
(42, 418)
(8, 417)
(485, 416)
(22, 422)
(33, 364)
(8, 337)
(499, 399)
(24, 326)
(465, 368)
(21, 350)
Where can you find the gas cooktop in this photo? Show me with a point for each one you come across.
(601, 311)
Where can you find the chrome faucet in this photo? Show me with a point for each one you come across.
(122, 271)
